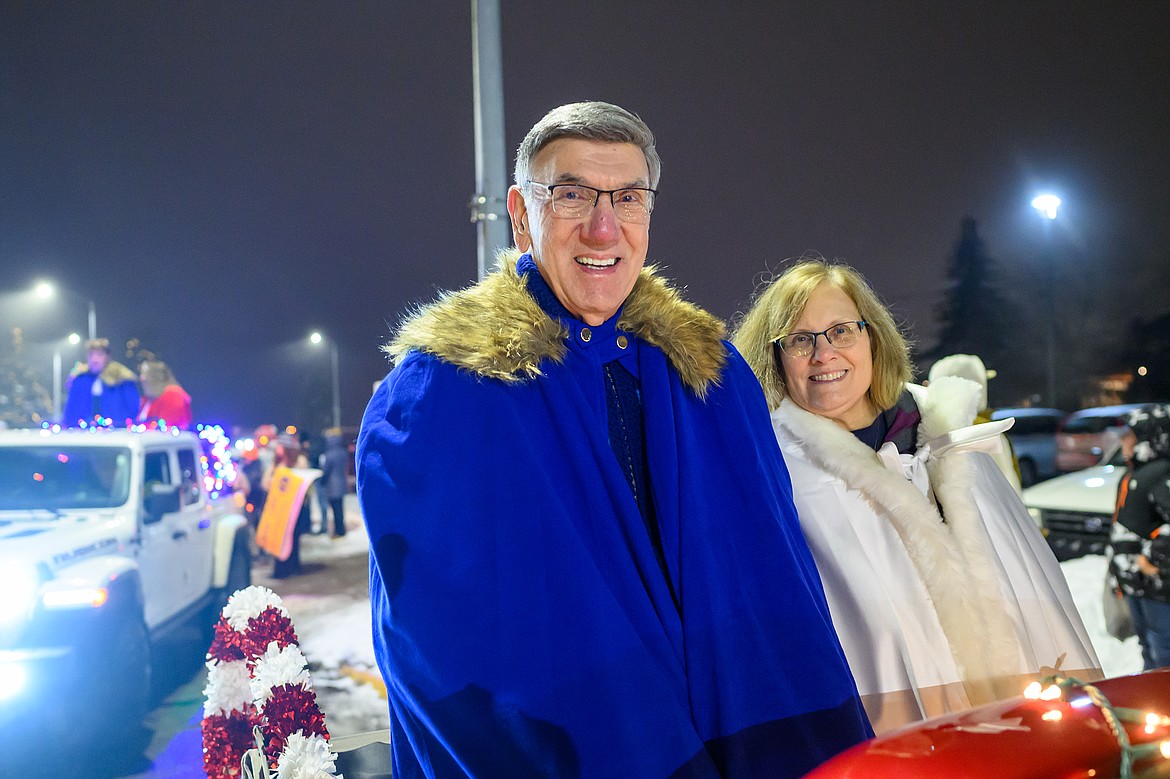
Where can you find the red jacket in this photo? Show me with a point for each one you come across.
(172, 406)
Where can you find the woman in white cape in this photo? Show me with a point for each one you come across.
(942, 590)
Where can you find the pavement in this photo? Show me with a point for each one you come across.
(333, 578)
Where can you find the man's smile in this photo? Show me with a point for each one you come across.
(593, 262)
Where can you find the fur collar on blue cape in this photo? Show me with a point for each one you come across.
(496, 329)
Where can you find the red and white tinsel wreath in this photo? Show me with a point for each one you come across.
(257, 677)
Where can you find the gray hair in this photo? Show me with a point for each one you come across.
(592, 121)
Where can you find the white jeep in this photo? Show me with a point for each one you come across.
(108, 540)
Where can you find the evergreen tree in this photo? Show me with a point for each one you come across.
(977, 319)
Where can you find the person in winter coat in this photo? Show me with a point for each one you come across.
(942, 589)
(585, 560)
(163, 400)
(334, 482)
(104, 392)
(1141, 533)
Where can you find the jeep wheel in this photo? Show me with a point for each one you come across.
(128, 665)
(116, 673)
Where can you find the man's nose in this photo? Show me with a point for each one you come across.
(602, 225)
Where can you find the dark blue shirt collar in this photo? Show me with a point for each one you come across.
(602, 340)
(526, 267)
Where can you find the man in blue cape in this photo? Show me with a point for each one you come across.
(585, 560)
(104, 390)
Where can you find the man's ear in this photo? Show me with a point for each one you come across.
(518, 213)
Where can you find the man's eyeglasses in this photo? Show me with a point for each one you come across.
(573, 201)
(802, 344)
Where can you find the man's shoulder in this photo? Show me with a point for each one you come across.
(422, 380)
(116, 374)
(83, 379)
(493, 329)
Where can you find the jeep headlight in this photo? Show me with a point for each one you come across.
(19, 585)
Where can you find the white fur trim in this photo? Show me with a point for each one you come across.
(958, 573)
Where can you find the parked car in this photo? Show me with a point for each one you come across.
(1075, 511)
(1033, 438)
(1086, 435)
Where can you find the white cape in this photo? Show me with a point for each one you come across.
(934, 616)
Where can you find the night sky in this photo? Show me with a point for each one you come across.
(223, 178)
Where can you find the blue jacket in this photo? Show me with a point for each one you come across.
(119, 401)
(521, 618)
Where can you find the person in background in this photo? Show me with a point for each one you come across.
(334, 462)
(1141, 531)
(942, 589)
(163, 400)
(971, 367)
(585, 560)
(317, 495)
(288, 454)
(102, 389)
(257, 461)
(252, 477)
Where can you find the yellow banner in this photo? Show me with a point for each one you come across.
(278, 523)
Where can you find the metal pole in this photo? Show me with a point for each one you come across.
(488, 204)
(1050, 270)
(92, 321)
(336, 385)
(56, 385)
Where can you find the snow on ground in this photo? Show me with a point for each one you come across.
(335, 636)
(1086, 579)
(340, 653)
(334, 632)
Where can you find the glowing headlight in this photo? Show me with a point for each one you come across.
(13, 678)
(19, 583)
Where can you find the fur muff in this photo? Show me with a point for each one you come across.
(496, 329)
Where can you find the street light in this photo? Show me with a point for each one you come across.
(46, 290)
(1047, 205)
(316, 338)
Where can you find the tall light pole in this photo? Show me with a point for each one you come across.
(488, 206)
(1047, 205)
(58, 377)
(46, 290)
(317, 338)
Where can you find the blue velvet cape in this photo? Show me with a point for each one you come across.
(520, 617)
(119, 402)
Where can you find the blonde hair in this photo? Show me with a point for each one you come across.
(157, 371)
(775, 310)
